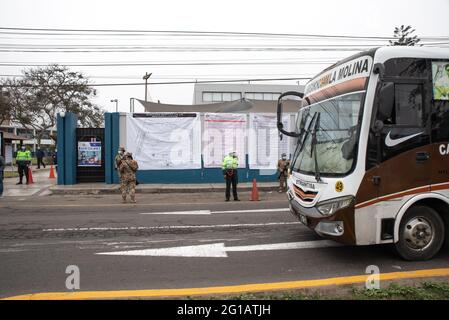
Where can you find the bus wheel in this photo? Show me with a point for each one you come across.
(421, 234)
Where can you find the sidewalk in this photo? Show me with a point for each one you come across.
(102, 188)
(44, 186)
(40, 186)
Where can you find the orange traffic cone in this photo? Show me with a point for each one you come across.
(254, 193)
(52, 173)
(30, 176)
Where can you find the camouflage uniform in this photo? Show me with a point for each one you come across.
(282, 168)
(128, 168)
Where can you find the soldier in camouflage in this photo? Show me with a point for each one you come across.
(128, 168)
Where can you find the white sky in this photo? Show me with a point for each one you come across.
(343, 17)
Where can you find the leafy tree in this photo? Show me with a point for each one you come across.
(5, 107)
(403, 37)
(42, 93)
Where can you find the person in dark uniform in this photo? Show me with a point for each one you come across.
(40, 157)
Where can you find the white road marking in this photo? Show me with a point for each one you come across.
(206, 212)
(254, 210)
(193, 212)
(218, 250)
(242, 225)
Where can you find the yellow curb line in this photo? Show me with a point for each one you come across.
(157, 293)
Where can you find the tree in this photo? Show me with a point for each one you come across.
(5, 107)
(42, 93)
(403, 37)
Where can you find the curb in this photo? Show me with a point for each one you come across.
(234, 289)
(58, 190)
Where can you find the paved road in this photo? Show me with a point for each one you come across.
(41, 236)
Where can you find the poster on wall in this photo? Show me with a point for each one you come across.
(224, 133)
(265, 145)
(89, 154)
(164, 140)
(440, 77)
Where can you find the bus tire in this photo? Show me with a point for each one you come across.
(421, 234)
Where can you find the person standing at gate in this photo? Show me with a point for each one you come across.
(118, 158)
(2, 168)
(23, 160)
(283, 165)
(40, 157)
(128, 168)
(229, 166)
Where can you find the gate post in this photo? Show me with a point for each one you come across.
(112, 141)
(67, 149)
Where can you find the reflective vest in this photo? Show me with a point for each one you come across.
(230, 163)
(23, 156)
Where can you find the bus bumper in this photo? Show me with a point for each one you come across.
(338, 227)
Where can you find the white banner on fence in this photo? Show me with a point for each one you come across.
(165, 140)
(224, 133)
(265, 147)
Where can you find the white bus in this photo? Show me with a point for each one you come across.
(371, 164)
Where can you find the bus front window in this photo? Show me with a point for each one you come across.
(336, 136)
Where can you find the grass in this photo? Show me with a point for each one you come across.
(427, 290)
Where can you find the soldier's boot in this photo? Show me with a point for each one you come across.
(123, 199)
(133, 199)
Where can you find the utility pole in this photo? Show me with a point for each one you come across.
(146, 77)
(116, 104)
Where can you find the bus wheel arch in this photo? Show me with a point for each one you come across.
(422, 226)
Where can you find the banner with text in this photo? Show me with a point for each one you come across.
(224, 133)
(264, 144)
(164, 140)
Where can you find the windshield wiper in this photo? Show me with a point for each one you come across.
(313, 147)
(306, 133)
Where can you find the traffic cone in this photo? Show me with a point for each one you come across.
(52, 173)
(30, 176)
(254, 193)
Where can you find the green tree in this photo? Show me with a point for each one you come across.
(403, 37)
(42, 93)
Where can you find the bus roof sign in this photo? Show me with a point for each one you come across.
(357, 68)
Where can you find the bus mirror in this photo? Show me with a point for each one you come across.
(386, 101)
(379, 69)
(280, 125)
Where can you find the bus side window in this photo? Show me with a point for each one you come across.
(408, 105)
(401, 104)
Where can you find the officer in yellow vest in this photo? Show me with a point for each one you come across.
(23, 160)
(229, 166)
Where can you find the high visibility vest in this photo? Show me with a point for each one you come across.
(23, 156)
(230, 163)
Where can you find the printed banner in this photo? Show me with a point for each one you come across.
(89, 154)
(440, 76)
(265, 145)
(224, 133)
(164, 140)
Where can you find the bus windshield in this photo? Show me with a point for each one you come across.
(334, 142)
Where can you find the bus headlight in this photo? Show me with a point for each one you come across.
(329, 207)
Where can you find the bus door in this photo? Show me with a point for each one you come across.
(404, 138)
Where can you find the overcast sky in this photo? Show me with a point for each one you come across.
(352, 18)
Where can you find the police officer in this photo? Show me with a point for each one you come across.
(229, 167)
(23, 160)
(128, 168)
(283, 165)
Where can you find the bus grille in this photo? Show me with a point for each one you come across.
(306, 196)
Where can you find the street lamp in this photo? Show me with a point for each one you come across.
(146, 77)
(116, 104)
